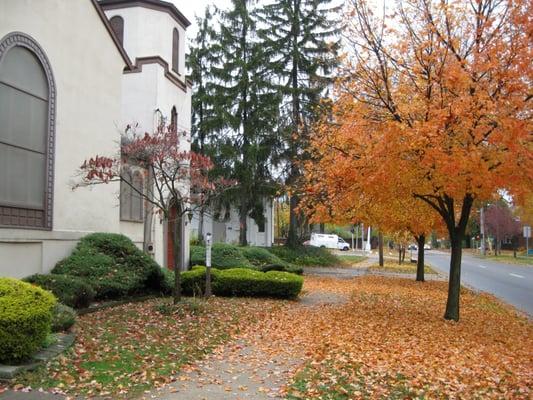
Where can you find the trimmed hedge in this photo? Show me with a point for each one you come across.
(242, 282)
(223, 256)
(69, 290)
(192, 281)
(63, 317)
(306, 256)
(113, 266)
(25, 319)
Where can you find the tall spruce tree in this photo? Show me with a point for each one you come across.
(300, 38)
(245, 106)
(202, 57)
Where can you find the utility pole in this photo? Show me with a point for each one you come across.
(363, 247)
(482, 228)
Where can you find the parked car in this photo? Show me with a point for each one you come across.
(427, 246)
(412, 247)
(328, 241)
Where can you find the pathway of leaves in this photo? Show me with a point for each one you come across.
(372, 337)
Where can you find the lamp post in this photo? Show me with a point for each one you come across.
(208, 264)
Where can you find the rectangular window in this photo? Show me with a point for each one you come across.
(131, 199)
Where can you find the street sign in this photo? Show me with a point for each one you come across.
(527, 235)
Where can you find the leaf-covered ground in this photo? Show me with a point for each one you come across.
(404, 268)
(390, 341)
(370, 337)
(125, 350)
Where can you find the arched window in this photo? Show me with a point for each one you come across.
(175, 50)
(174, 119)
(131, 199)
(27, 128)
(117, 24)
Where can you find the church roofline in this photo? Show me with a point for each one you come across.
(158, 5)
(120, 48)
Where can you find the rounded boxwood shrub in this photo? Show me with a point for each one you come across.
(286, 267)
(69, 290)
(306, 255)
(223, 256)
(113, 265)
(63, 317)
(25, 319)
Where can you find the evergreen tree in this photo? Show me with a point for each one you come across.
(205, 121)
(300, 40)
(245, 109)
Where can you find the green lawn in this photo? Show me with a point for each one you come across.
(509, 259)
(405, 268)
(351, 260)
(125, 350)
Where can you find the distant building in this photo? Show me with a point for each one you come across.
(227, 230)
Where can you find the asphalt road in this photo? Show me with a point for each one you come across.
(511, 283)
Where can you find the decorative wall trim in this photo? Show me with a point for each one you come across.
(114, 37)
(158, 5)
(140, 61)
(6, 43)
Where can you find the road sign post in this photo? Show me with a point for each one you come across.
(527, 235)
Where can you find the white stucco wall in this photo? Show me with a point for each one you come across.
(148, 33)
(87, 70)
(149, 94)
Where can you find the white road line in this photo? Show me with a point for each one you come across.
(516, 275)
(482, 266)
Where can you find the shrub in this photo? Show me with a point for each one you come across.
(192, 281)
(25, 319)
(306, 256)
(286, 267)
(113, 265)
(259, 256)
(238, 282)
(63, 317)
(197, 255)
(223, 256)
(69, 290)
(244, 282)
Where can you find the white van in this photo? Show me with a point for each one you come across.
(328, 241)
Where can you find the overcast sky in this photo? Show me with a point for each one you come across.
(193, 8)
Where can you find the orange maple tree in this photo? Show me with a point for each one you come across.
(435, 102)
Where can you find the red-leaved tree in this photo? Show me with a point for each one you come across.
(178, 180)
(501, 223)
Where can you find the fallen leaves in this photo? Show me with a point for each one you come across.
(369, 337)
(390, 338)
(125, 350)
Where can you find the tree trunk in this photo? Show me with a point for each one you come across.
(322, 227)
(403, 253)
(454, 282)
(400, 254)
(243, 216)
(380, 249)
(457, 233)
(293, 239)
(421, 241)
(201, 225)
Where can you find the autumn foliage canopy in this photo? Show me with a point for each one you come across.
(434, 107)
